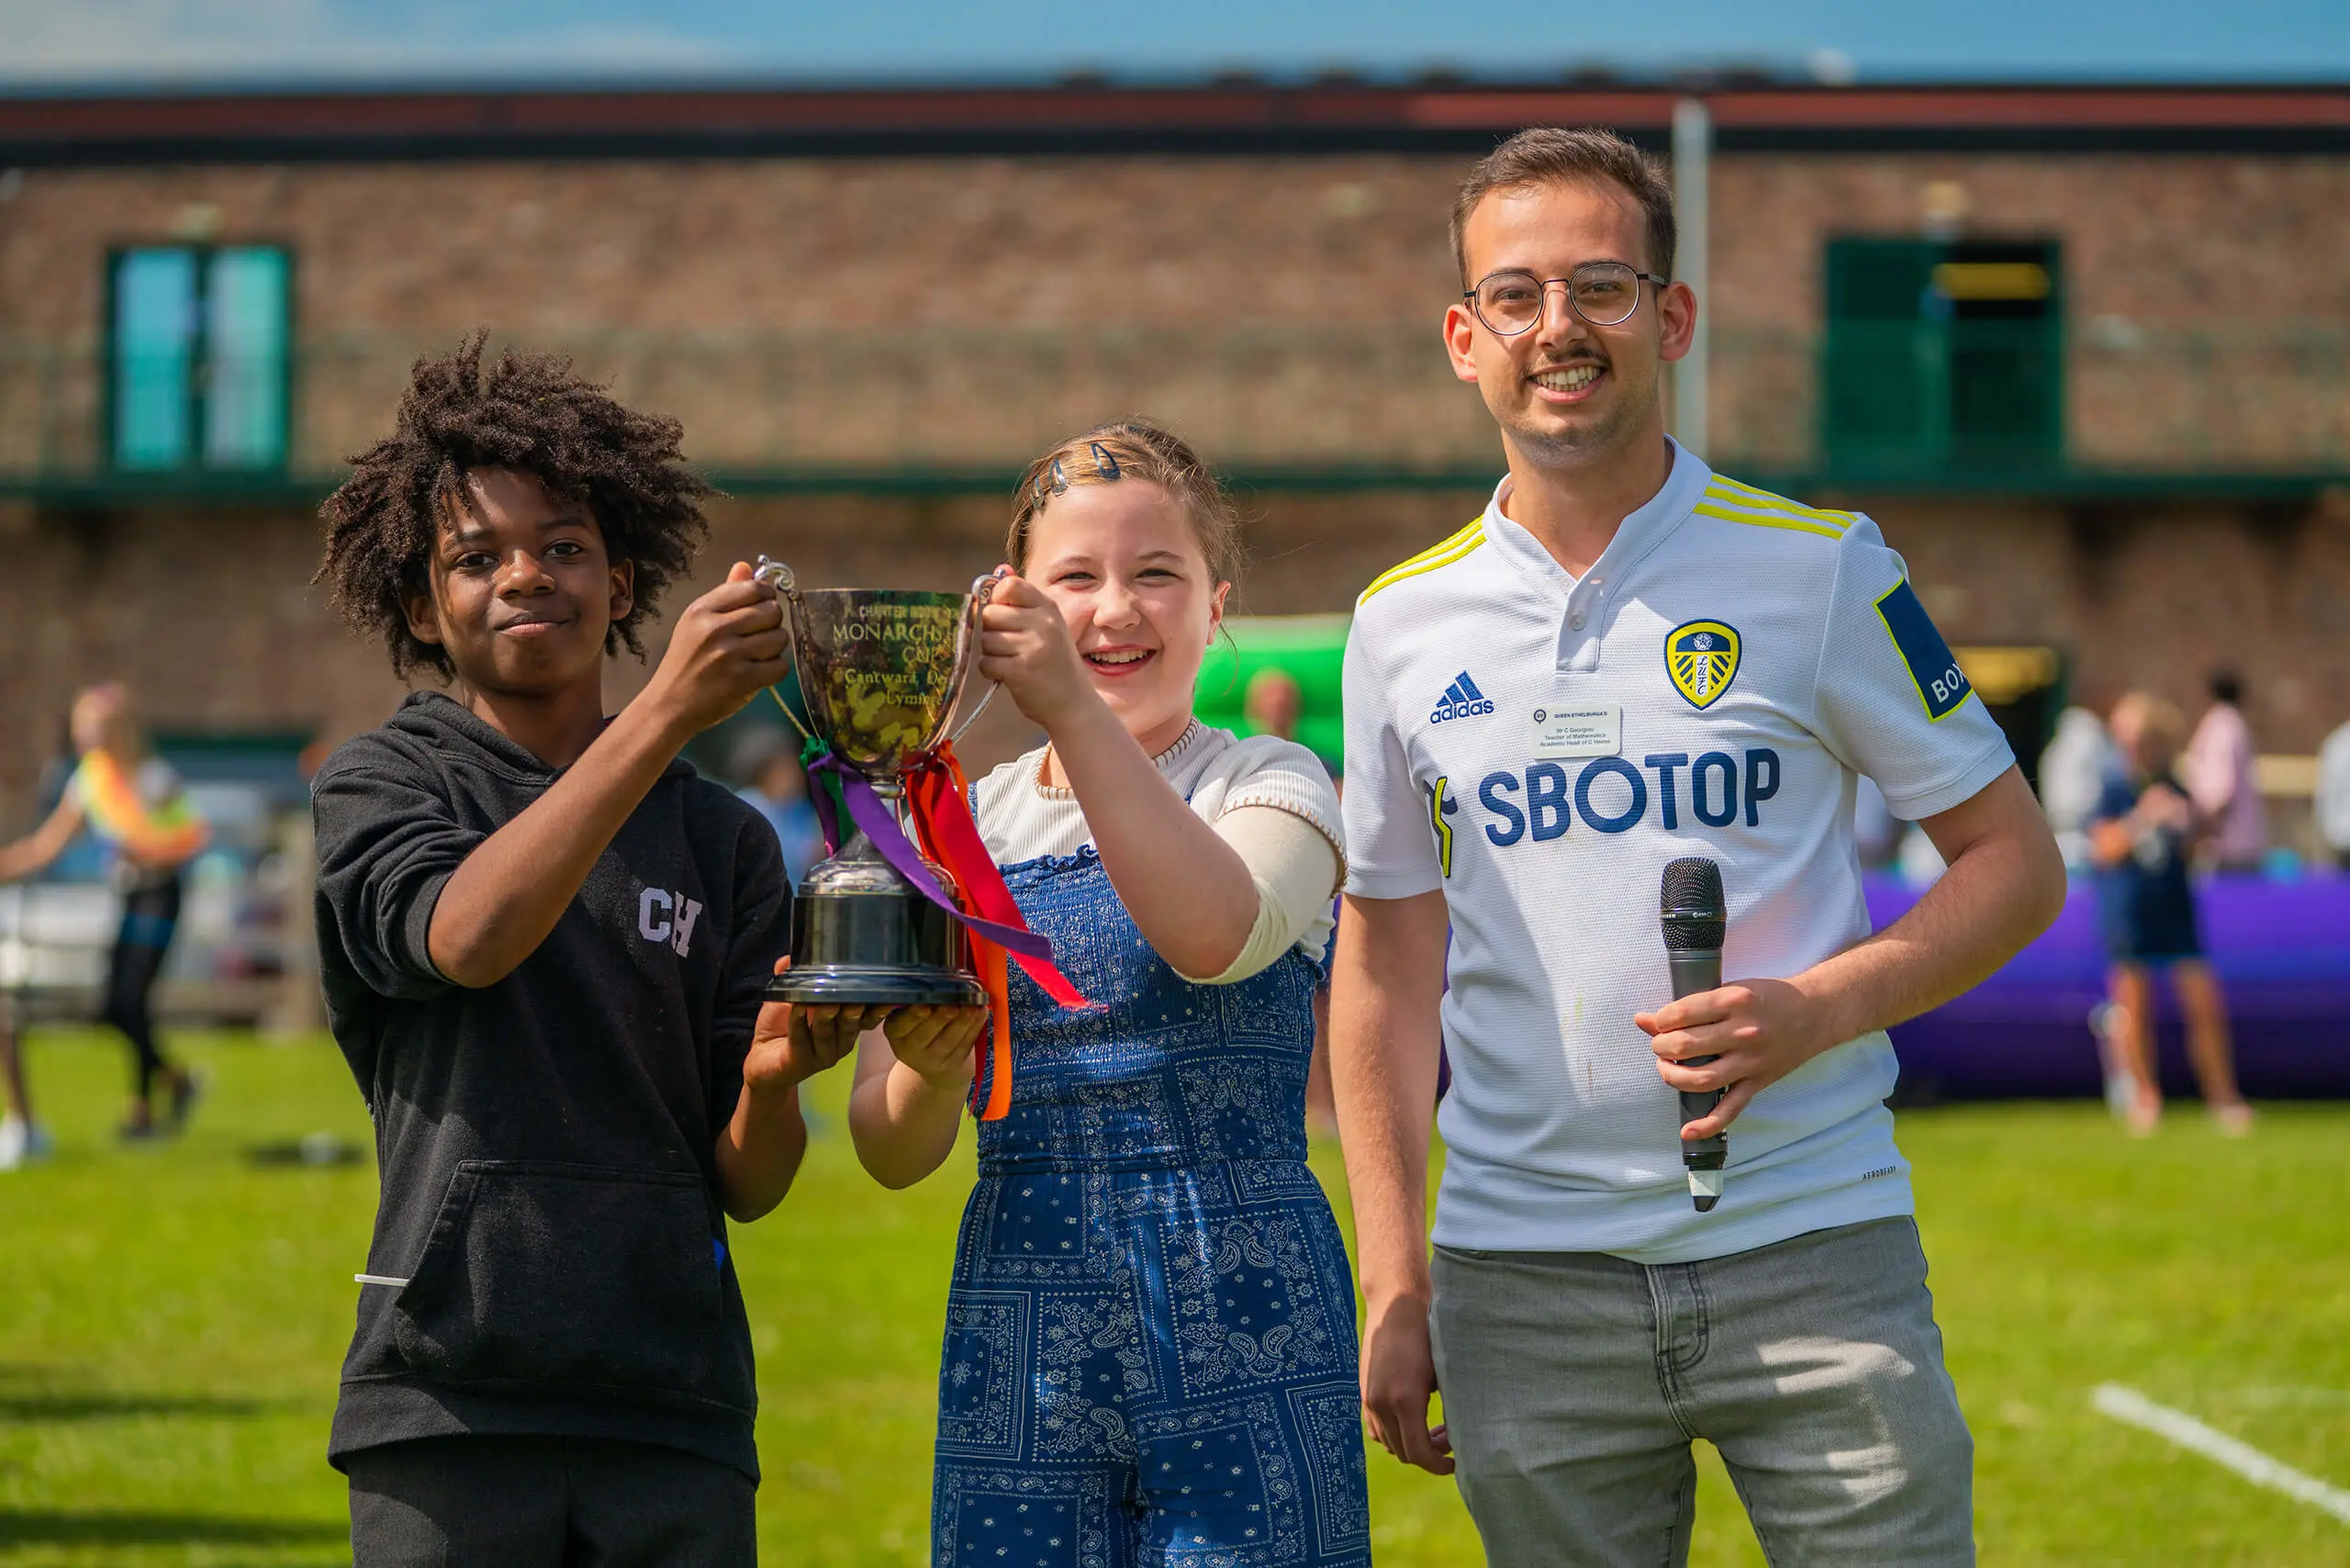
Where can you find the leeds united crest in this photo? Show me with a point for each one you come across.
(1702, 658)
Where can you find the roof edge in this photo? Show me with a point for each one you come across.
(372, 124)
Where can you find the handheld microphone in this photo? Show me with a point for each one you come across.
(1695, 918)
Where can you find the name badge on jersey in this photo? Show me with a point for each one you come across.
(1579, 729)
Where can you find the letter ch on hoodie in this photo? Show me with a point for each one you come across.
(549, 1184)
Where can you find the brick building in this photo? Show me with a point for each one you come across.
(2081, 352)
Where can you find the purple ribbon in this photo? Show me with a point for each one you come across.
(866, 810)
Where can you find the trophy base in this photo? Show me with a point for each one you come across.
(856, 986)
(861, 937)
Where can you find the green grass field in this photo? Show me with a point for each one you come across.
(171, 1322)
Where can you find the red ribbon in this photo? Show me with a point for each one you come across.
(939, 795)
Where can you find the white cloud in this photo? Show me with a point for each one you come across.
(51, 38)
(62, 40)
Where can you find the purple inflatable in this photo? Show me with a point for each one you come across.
(2282, 950)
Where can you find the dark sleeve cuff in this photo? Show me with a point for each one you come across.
(416, 935)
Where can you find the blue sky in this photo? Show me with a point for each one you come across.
(62, 42)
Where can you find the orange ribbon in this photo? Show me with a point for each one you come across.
(939, 795)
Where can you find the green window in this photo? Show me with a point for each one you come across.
(199, 363)
(1942, 352)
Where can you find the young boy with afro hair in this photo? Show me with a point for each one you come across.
(544, 942)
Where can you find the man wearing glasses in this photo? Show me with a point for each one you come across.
(1628, 659)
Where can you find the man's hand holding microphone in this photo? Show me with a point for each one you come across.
(1722, 1045)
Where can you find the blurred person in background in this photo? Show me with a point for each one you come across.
(57, 773)
(776, 786)
(2140, 836)
(1274, 704)
(2079, 762)
(23, 1139)
(1271, 705)
(2221, 779)
(132, 801)
(1876, 831)
(2334, 795)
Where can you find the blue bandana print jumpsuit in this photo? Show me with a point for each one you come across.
(1150, 1355)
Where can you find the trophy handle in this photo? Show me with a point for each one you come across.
(967, 643)
(779, 576)
(776, 576)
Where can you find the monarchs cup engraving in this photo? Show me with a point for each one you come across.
(879, 669)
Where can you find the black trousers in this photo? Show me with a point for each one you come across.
(523, 1502)
(150, 916)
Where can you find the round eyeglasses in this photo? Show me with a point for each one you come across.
(1602, 293)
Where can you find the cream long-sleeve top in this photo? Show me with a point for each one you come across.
(1269, 799)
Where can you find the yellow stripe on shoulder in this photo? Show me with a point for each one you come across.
(1730, 492)
(1731, 501)
(1440, 554)
(1773, 498)
(1767, 520)
(1475, 525)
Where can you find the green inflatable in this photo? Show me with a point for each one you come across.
(1309, 649)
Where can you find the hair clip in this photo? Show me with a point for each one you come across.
(1053, 481)
(1105, 462)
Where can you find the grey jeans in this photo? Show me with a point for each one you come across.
(1574, 1383)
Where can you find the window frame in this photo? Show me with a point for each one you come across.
(197, 398)
(1935, 344)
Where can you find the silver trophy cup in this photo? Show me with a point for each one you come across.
(880, 671)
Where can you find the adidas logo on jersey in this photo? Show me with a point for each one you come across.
(1461, 700)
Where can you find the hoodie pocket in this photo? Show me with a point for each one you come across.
(570, 1276)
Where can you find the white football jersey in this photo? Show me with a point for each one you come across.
(1538, 747)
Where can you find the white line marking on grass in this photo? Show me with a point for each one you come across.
(2128, 1404)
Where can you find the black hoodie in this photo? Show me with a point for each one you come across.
(549, 1182)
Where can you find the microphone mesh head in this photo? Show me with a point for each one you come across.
(1694, 913)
